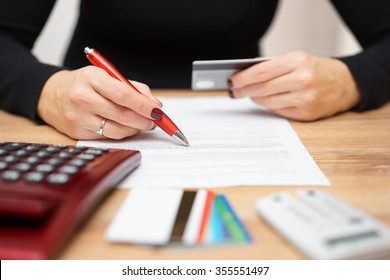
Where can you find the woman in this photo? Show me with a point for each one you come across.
(155, 42)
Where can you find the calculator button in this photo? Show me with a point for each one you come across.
(10, 175)
(311, 193)
(61, 146)
(44, 168)
(69, 169)
(3, 152)
(42, 154)
(55, 161)
(277, 198)
(77, 162)
(21, 153)
(52, 149)
(32, 160)
(34, 177)
(83, 148)
(3, 165)
(22, 166)
(40, 146)
(32, 148)
(13, 146)
(64, 155)
(86, 156)
(11, 159)
(355, 220)
(72, 151)
(58, 178)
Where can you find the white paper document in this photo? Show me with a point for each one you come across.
(233, 143)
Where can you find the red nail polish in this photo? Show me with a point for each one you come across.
(230, 92)
(230, 88)
(156, 114)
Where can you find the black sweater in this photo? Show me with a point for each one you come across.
(155, 42)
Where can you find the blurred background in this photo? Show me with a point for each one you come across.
(309, 25)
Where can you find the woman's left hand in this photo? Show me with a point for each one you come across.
(298, 86)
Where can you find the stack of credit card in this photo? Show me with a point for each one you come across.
(161, 217)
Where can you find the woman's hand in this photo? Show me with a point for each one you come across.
(76, 102)
(298, 86)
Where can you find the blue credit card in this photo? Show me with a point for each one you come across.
(232, 228)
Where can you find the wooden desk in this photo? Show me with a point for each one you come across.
(352, 149)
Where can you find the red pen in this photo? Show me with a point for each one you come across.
(165, 123)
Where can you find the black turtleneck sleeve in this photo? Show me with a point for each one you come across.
(369, 21)
(22, 76)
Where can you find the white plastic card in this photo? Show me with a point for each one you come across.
(214, 74)
(158, 217)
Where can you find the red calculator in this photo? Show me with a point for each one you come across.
(47, 190)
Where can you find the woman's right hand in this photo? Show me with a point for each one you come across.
(76, 102)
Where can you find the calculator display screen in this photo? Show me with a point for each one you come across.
(353, 238)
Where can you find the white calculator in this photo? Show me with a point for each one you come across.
(324, 227)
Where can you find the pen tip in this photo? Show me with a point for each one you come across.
(180, 138)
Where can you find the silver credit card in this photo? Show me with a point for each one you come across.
(214, 74)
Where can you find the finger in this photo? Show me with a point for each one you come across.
(110, 129)
(121, 94)
(145, 90)
(261, 72)
(278, 85)
(122, 115)
(280, 101)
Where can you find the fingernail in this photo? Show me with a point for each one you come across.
(230, 89)
(156, 114)
(230, 83)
